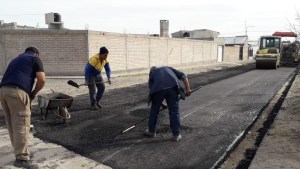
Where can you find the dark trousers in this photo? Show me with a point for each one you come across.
(171, 96)
(96, 96)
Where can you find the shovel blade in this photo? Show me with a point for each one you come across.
(72, 83)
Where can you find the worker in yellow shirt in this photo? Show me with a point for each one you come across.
(94, 79)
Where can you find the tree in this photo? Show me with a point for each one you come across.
(295, 26)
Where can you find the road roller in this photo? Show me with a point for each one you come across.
(268, 55)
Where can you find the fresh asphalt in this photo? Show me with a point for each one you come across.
(212, 118)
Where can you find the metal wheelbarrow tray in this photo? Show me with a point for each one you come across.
(55, 101)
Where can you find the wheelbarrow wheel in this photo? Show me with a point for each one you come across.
(63, 114)
(63, 121)
(44, 115)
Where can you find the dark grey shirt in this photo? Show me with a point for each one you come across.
(163, 78)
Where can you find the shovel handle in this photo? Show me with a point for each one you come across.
(192, 91)
(83, 84)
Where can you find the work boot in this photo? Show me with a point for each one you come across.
(94, 107)
(177, 138)
(149, 134)
(25, 164)
(99, 105)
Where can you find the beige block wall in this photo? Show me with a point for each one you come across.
(245, 52)
(65, 52)
(137, 53)
(134, 52)
(198, 52)
(2, 55)
(231, 53)
(115, 44)
(62, 51)
(214, 52)
(158, 51)
(207, 47)
(174, 52)
(187, 52)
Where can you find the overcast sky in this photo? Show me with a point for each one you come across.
(228, 17)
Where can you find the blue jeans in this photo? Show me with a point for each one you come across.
(171, 96)
(96, 97)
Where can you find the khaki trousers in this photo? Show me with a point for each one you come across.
(16, 106)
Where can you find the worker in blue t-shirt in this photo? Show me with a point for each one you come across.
(16, 93)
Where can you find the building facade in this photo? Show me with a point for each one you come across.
(236, 48)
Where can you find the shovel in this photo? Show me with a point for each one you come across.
(74, 84)
(134, 125)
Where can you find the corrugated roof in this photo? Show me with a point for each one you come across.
(238, 40)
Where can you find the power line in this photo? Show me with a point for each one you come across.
(20, 14)
(231, 33)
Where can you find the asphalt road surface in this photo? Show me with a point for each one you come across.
(211, 118)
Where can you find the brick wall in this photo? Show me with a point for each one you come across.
(2, 54)
(174, 52)
(62, 51)
(245, 52)
(159, 48)
(231, 53)
(65, 52)
(136, 52)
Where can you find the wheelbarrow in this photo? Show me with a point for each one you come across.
(57, 102)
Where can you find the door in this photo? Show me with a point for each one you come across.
(241, 53)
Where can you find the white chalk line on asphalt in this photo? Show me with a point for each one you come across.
(117, 152)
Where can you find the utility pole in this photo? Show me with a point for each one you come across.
(246, 28)
(298, 31)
